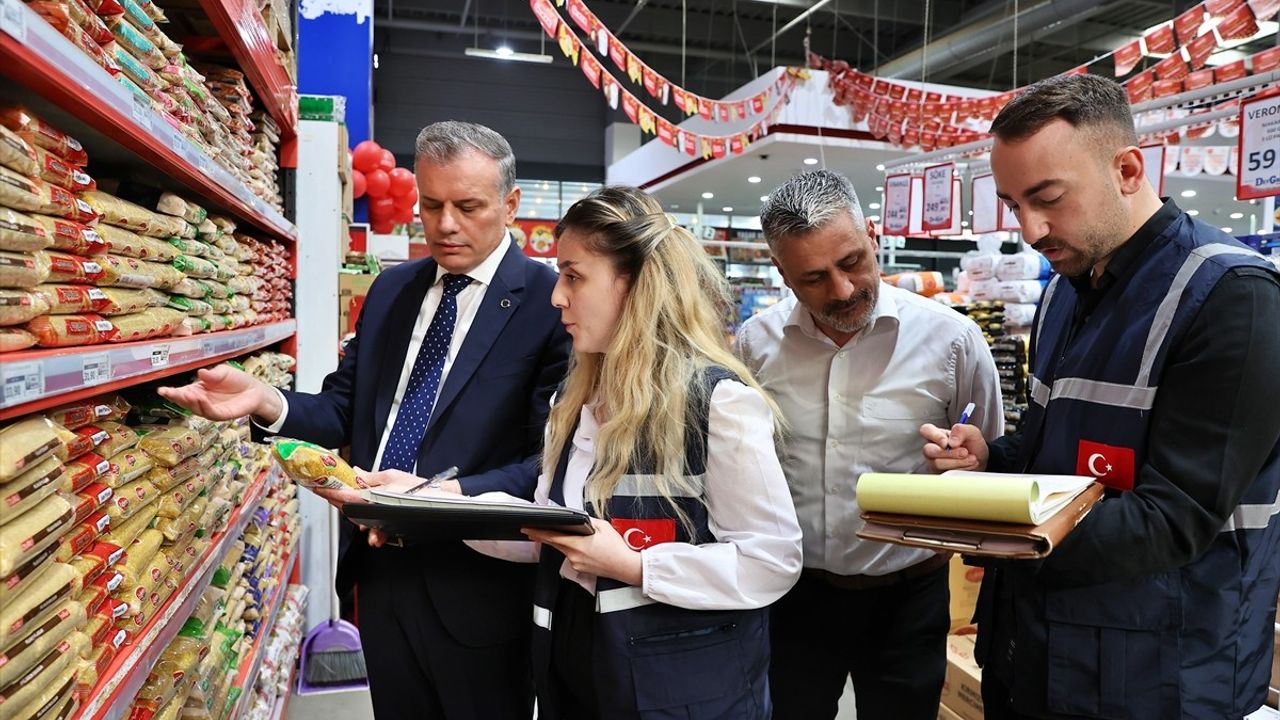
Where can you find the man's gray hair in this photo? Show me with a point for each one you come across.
(442, 142)
(807, 202)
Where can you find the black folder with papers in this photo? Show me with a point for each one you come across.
(435, 518)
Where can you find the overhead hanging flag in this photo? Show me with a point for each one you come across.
(1238, 25)
(1160, 41)
(635, 71)
(1187, 26)
(631, 106)
(666, 132)
(591, 69)
(1171, 67)
(1126, 57)
(1202, 47)
(569, 44)
(651, 82)
(617, 53)
(581, 16)
(547, 16)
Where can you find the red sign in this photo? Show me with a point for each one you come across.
(757, 103)
(1266, 60)
(631, 106)
(1171, 68)
(641, 534)
(1199, 79)
(651, 82)
(704, 108)
(1187, 26)
(547, 16)
(1201, 48)
(1238, 25)
(581, 16)
(722, 112)
(1230, 71)
(1126, 58)
(617, 53)
(1165, 88)
(591, 69)
(718, 148)
(914, 95)
(666, 132)
(1221, 8)
(536, 237)
(740, 109)
(690, 144)
(1139, 87)
(881, 88)
(1264, 9)
(737, 144)
(1111, 465)
(1160, 40)
(897, 92)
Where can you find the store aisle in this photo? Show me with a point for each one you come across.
(356, 706)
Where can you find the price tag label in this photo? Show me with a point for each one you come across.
(140, 107)
(13, 19)
(160, 356)
(22, 382)
(937, 196)
(897, 204)
(95, 369)
(1258, 173)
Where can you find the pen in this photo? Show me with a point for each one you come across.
(964, 418)
(434, 480)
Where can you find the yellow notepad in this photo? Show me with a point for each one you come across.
(998, 497)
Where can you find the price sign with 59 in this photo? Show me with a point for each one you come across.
(1259, 172)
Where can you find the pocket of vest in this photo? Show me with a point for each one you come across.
(1113, 648)
(707, 679)
(681, 634)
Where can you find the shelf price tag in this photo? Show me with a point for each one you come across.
(938, 196)
(160, 356)
(897, 204)
(140, 107)
(22, 382)
(13, 19)
(95, 369)
(1258, 172)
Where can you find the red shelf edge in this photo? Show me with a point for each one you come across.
(243, 29)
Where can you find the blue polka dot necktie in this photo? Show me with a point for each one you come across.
(401, 452)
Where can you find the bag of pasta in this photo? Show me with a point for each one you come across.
(55, 170)
(17, 154)
(70, 330)
(131, 244)
(20, 232)
(23, 270)
(20, 192)
(65, 268)
(41, 134)
(20, 306)
(312, 466)
(120, 301)
(171, 446)
(72, 237)
(149, 323)
(13, 339)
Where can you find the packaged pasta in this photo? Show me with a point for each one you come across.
(131, 244)
(24, 575)
(81, 536)
(20, 232)
(72, 445)
(190, 306)
(75, 11)
(120, 438)
(187, 287)
(195, 266)
(69, 299)
(123, 534)
(171, 204)
(149, 323)
(121, 302)
(41, 134)
(69, 330)
(72, 237)
(133, 68)
(76, 415)
(139, 555)
(83, 472)
(35, 604)
(23, 270)
(99, 660)
(66, 268)
(81, 39)
(131, 498)
(89, 499)
(127, 466)
(136, 42)
(20, 192)
(171, 446)
(54, 169)
(312, 466)
(26, 442)
(45, 685)
(20, 306)
(29, 489)
(17, 154)
(120, 213)
(37, 641)
(165, 478)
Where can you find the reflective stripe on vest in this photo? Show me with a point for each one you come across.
(646, 486)
(1252, 517)
(1044, 303)
(542, 617)
(623, 598)
(1094, 391)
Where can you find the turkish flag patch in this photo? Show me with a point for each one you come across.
(640, 534)
(1111, 465)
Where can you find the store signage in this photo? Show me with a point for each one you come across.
(986, 206)
(1217, 160)
(1238, 25)
(1187, 26)
(897, 204)
(938, 196)
(1266, 60)
(1258, 174)
(1126, 58)
(917, 206)
(1192, 161)
(1153, 164)
(1264, 9)
(1160, 41)
(1202, 47)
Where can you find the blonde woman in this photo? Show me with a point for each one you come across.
(661, 434)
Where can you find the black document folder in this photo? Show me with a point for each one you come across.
(462, 520)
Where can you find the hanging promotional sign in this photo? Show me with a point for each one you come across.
(1154, 165)
(1258, 172)
(897, 204)
(915, 226)
(1192, 161)
(986, 206)
(938, 197)
(1216, 160)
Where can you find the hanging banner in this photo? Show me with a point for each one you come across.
(690, 144)
(914, 227)
(1202, 47)
(610, 88)
(722, 112)
(666, 132)
(1187, 25)
(1265, 61)
(1264, 9)
(602, 42)
(938, 197)
(1192, 161)
(737, 144)
(705, 111)
(648, 121)
(1160, 41)
(986, 204)
(1171, 68)
(547, 16)
(1230, 71)
(897, 204)
(1220, 8)
(1199, 79)
(1127, 57)
(1139, 87)
(1153, 165)
(617, 53)
(591, 69)
(569, 44)
(1217, 160)
(581, 16)
(651, 82)
(1258, 174)
(631, 106)
(1239, 25)
(635, 71)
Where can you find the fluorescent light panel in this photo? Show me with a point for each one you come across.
(508, 54)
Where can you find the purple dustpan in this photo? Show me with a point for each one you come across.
(332, 660)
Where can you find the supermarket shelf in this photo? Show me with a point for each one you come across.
(240, 25)
(281, 710)
(111, 699)
(59, 71)
(37, 379)
(248, 673)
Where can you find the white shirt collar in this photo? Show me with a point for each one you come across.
(886, 309)
(486, 270)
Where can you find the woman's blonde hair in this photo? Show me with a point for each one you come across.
(672, 327)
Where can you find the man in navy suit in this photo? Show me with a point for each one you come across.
(454, 362)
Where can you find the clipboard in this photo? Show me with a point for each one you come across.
(980, 537)
(453, 520)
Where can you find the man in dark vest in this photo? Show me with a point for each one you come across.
(1153, 359)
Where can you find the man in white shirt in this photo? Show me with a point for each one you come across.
(454, 362)
(857, 366)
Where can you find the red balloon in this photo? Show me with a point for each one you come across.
(366, 156)
(377, 183)
(406, 201)
(381, 208)
(386, 160)
(402, 182)
(358, 186)
(403, 215)
(384, 227)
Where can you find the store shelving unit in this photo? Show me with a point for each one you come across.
(111, 699)
(35, 380)
(241, 26)
(248, 672)
(60, 73)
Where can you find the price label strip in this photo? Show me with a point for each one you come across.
(160, 356)
(95, 369)
(938, 196)
(1258, 173)
(22, 382)
(13, 19)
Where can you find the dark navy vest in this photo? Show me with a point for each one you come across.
(1190, 643)
(653, 660)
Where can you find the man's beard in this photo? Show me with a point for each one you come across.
(853, 314)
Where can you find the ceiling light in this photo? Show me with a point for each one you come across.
(753, 179)
(1188, 193)
(506, 53)
(874, 218)
(708, 195)
(1193, 213)
(1226, 230)
(879, 188)
(675, 207)
(726, 208)
(764, 198)
(811, 161)
(874, 206)
(1237, 215)
(964, 223)
(880, 167)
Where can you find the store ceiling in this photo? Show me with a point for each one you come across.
(972, 41)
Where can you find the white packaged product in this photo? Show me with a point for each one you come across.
(980, 267)
(1020, 291)
(1019, 315)
(1026, 265)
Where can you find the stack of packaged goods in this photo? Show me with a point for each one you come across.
(1010, 354)
(928, 284)
(280, 655)
(271, 261)
(272, 368)
(124, 38)
(266, 148)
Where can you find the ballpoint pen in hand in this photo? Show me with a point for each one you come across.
(435, 480)
(964, 418)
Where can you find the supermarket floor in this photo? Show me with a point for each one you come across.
(356, 706)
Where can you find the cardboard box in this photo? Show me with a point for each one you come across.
(351, 292)
(946, 714)
(964, 582)
(962, 690)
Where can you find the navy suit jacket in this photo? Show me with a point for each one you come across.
(488, 420)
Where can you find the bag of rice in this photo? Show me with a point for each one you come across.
(119, 437)
(54, 169)
(120, 213)
(20, 232)
(39, 133)
(123, 534)
(122, 302)
(20, 192)
(70, 299)
(69, 330)
(171, 446)
(131, 244)
(17, 154)
(26, 442)
(23, 270)
(72, 237)
(136, 42)
(29, 489)
(74, 416)
(64, 268)
(74, 444)
(37, 641)
(312, 466)
(171, 204)
(195, 266)
(20, 306)
(47, 684)
(126, 467)
(14, 339)
(27, 536)
(131, 498)
(83, 471)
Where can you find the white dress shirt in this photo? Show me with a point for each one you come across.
(858, 408)
(469, 300)
(757, 554)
